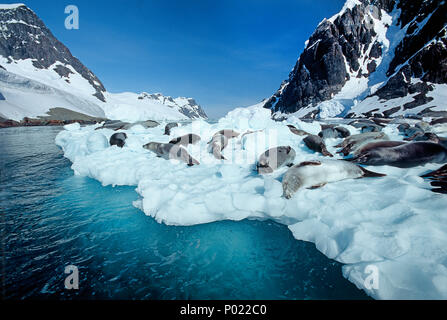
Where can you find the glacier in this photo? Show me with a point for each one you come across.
(394, 224)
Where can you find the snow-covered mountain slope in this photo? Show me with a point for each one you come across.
(28, 48)
(375, 57)
(31, 53)
(134, 107)
(18, 92)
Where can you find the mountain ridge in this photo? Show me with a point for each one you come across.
(28, 49)
(357, 63)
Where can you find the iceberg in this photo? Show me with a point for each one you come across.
(393, 226)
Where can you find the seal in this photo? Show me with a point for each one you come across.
(343, 132)
(328, 132)
(296, 131)
(438, 121)
(356, 140)
(169, 127)
(441, 172)
(113, 125)
(413, 132)
(403, 127)
(438, 179)
(381, 121)
(430, 137)
(375, 145)
(145, 124)
(186, 140)
(275, 158)
(118, 139)
(121, 125)
(171, 151)
(371, 128)
(361, 123)
(217, 144)
(317, 144)
(405, 156)
(316, 174)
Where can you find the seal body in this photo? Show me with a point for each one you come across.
(371, 128)
(375, 145)
(356, 140)
(438, 121)
(405, 156)
(403, 127)
(168, 128)
(328, 132)
(343, 132)
(217, 144)
(361, 123)
(121, 125)
(315, 174)
(113, 125)
(171, 151)
(118, 139)
(145, 124)
(317, 144)
(296, 131)
(275, 158)
(186, 140)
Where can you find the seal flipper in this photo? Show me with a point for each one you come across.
(439, 183)
(370, 174)
(318, 186)
(438, 173)
(310, 163)
(439, 190)
(326, 153)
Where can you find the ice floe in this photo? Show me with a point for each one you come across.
(392, 230)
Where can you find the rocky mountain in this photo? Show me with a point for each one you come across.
(375, 57)
(24, 37)
(38, 73)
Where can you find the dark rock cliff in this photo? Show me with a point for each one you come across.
(24, 36)
(348, 46)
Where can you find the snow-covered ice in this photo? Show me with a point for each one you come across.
(394, 224)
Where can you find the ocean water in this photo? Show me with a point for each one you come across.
(51, 219)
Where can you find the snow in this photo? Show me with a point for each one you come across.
(439, 95)
(29, 98)
(349, 5)
(127, 107)
(11, 6)
(394, 224)
(39, 90)
(330, 109)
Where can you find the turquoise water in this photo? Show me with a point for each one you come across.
(51, 219)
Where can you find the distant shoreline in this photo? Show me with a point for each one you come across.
(41, 123)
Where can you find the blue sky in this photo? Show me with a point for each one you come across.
(223, 53)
